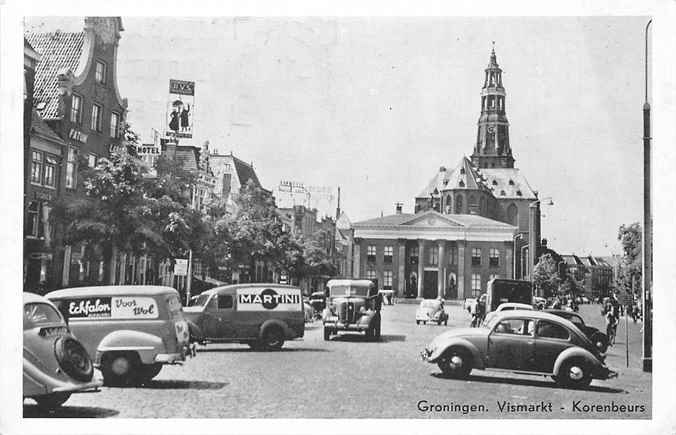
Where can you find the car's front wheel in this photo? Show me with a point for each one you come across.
(574, 373)
(273, 338)
(52, 401)
(455, 363)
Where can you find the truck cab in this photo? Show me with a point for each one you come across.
(500, 291)
(352, 305)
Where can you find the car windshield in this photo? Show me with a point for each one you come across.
(201, 300)
(349, 290)
(38, 314)
(429, 304)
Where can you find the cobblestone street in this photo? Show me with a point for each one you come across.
(350, 377)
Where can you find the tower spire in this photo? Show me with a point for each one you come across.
(492, 148)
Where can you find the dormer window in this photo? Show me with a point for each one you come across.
(461, 183)
(495, 182)
(502, 193)
(511, 182)
(462, 170)
(518, 193)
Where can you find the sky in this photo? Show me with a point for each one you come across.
(377, 105)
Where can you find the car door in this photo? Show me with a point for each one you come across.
(511, 345)
(550, 340)
(218, 317)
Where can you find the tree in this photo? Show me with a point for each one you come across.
(113, 214)
(546, 275)
(631, 267)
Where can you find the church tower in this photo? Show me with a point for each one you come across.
(492, 148)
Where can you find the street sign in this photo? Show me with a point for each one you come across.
(181, 267)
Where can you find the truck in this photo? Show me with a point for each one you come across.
(499, 291)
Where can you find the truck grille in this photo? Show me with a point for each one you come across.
(346, 312)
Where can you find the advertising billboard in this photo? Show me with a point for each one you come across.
(180, 109)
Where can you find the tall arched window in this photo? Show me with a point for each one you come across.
(513, 215)
(448, 204)
(482, 206)
(458, 204)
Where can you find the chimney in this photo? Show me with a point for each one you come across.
(398, 207)
(442, 169)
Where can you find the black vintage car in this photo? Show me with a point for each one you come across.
(597, 337)
(318, 303)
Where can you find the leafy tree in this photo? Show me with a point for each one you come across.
(631, 238)
(546, 275)
(113, 213)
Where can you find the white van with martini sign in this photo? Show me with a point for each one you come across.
(260, 315)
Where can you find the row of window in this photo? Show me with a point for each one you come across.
(387, 278)
(96, 120)
(433, 255)
(43, 169)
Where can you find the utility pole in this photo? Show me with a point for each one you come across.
(647, 228)
(188, 283)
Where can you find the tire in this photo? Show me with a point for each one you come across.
(600, 340)
(574, 373)
(376, 331)
(149, 371)
(52, 401)
(273, 338)
(120, 368)
(456, 363)
(327, 334)
(446, 322)
(73, 359)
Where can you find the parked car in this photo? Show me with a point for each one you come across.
(526, 342)
(131, 331)
(431, 310)
(597, 337)
(353, 305)
(318, 303)
(507, 306)
(539, 303)
(263, 316)
(55, 364)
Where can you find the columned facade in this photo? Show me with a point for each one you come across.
(429, 255)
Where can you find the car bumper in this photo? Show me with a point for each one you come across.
(177, 358)
(604, 373)
(346, 326)
(93, 385)
(425, 355)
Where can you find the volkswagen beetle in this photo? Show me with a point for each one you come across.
(520, 341)
(55, 364)
(431, 310)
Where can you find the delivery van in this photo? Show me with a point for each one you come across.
(129, 331)
(260, 315)
(500, 291)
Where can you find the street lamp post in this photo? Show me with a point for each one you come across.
(647, 226)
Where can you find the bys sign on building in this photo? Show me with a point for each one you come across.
(180, 109)
(116, 307)
(252, 299)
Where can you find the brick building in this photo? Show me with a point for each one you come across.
(77, 99)
(472, 222)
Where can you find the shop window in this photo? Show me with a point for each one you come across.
(476, 256)
(33, 219)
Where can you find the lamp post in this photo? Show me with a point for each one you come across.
(647, 227)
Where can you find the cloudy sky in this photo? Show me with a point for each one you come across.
(376, 105)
